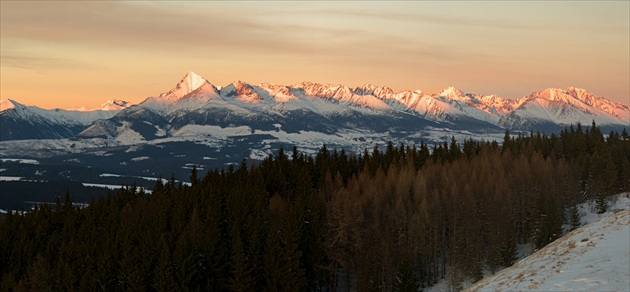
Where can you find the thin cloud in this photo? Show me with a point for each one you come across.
(200, 31)
(439, 19)
(124, 25)
(420, 18)
(39, 63)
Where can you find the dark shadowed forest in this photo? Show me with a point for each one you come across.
(398, 218)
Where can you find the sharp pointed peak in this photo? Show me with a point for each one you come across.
(191, 82)
(194, 79)
(192, 74)
(451, 92)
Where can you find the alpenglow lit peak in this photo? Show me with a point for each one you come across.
(188, 84)
(452, 93)
(114, 104)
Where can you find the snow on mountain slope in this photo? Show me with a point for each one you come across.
(280, 93)
(190, 93)
(450, 105)
(565, 107)
(241, 91)
(595, 257)
(188, 84)
(114, 105)
(614, 108)
(306, 105)
(59, 116)
(555, 106)
(31, 122)
(605, 111)
(494, 104)
(110, 105)
(310, 106)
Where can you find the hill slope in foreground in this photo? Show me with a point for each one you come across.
(595, 257)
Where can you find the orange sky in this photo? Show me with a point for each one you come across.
(79, 54)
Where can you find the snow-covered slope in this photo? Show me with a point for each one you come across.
(565, 107)
(190, 93)
(595, 257)
(20, 121)
(61, 116)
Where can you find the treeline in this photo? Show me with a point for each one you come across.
(22, 195)
(398, 218)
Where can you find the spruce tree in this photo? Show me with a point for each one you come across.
(406, 280)
(242, 278)
(574, 217)
(601, 203)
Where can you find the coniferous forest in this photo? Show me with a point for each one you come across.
(398, 218)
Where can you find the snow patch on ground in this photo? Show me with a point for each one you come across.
(258, 154)
(140, 158)
(11, 178)
(214, 131)
(128, 136)
(111, 187)
(109, 175)
(20, 160)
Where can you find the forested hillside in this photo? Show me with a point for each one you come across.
(399, 218)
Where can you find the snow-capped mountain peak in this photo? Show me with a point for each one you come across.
(242, 88)
(280, 93)
(192, 92)
(110, 105)
(242, 91)
(378, 91)
(188, 84)
(452, 93)
(603, 104)
(115, 104)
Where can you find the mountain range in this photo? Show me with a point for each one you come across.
(194, 102)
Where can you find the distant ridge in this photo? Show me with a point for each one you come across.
(309, 106)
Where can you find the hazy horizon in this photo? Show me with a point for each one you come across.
(80, 54)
